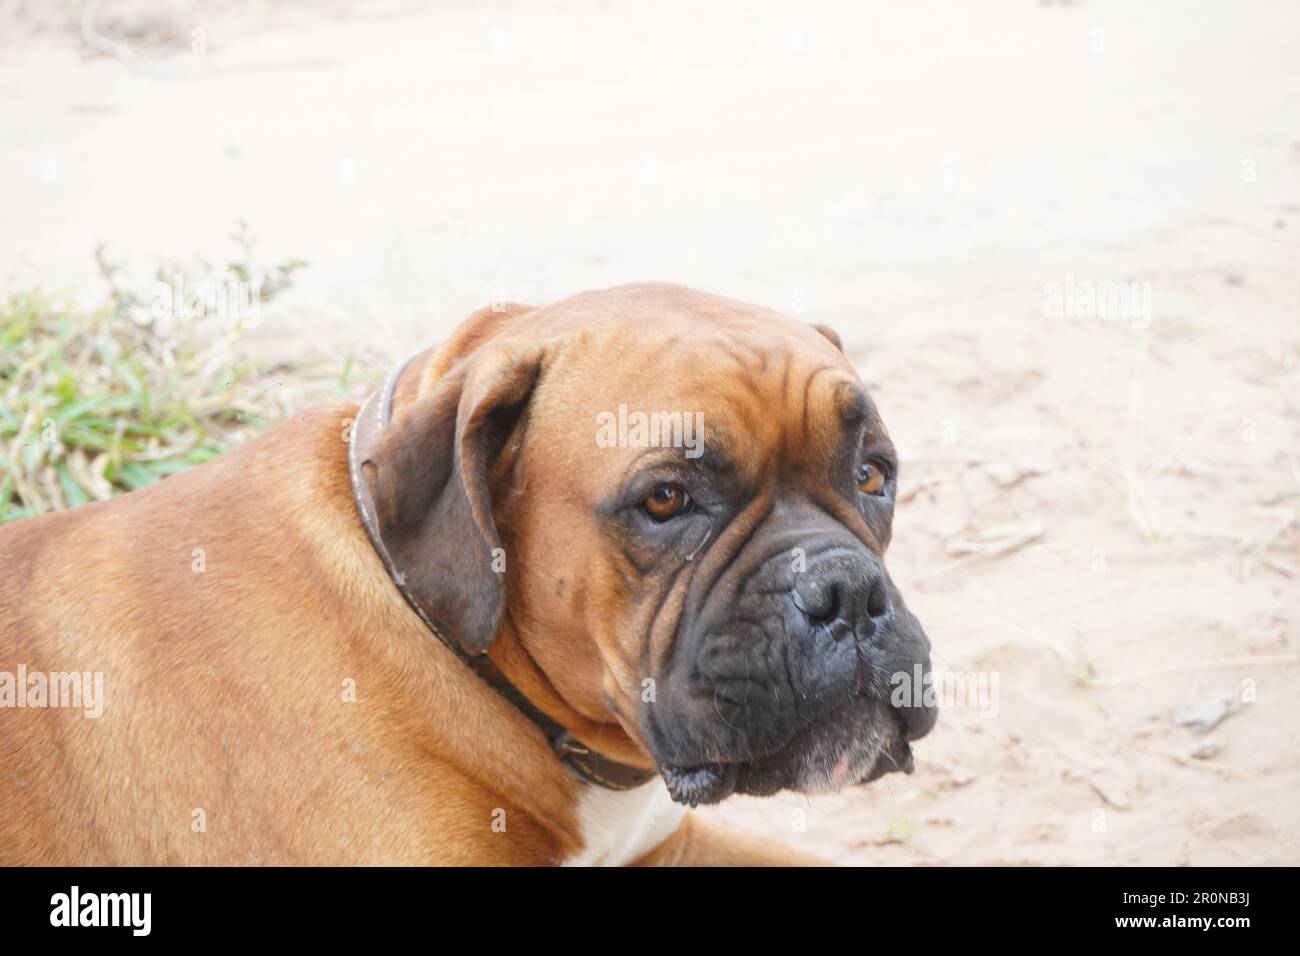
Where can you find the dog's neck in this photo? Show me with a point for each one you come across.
(603, 733)
(593, 751)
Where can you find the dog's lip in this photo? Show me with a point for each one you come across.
(895, 757)
(713, 780)
(895, 754)
(710, 782)
(706, 783)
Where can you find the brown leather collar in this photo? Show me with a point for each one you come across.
(583, 762)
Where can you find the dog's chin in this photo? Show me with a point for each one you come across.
(860, 744)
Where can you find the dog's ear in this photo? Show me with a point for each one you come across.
(831, 335)
(429, 475)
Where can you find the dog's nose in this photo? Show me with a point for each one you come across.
(842, 589)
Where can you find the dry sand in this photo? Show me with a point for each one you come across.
(1101, 511)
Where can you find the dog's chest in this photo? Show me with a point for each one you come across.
(621, 826)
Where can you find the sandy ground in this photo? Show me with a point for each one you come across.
(1100, 510)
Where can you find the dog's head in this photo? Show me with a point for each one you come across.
(678, 505)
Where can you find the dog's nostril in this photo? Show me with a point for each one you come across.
(819, 601)
(877, 600)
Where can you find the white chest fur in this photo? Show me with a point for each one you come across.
(621, 826)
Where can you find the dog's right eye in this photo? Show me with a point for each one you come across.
(666, 501)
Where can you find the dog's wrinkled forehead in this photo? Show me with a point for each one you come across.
(701, 375)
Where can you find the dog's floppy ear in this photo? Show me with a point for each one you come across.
(830, 334)
(429, 477)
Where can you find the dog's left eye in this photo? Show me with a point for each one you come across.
(666, 501)
(871, 479)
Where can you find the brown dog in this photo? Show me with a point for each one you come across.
(661, 514)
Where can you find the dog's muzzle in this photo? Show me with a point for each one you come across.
(798, 679)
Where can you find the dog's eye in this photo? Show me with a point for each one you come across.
(871, 479)
(666, 501)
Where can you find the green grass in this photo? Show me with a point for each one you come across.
(97, 402)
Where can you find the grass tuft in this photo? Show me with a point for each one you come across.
(101, 401)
